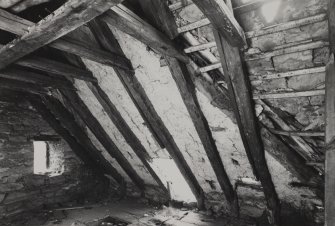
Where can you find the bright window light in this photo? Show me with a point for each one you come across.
(168, 172)
(47, 159)
(270, 10)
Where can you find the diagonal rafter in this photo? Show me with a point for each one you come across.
(240, 95)
(186, 87)
(65, 19)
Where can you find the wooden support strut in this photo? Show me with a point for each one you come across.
(72, 99)
(151, 117)
(65, 19)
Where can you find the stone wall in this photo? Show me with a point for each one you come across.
(20, 188)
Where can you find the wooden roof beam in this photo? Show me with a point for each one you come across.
(222, 19)
(65, 19)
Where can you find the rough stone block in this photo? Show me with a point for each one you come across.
(306, 82)
(260, 67)
(321, 56)
(271, 85)
(291, 105)
(293, 61)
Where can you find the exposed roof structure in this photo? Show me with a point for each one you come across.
(238, 93)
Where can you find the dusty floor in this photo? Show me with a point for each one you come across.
(135, 214)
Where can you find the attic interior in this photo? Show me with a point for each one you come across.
(167, 112)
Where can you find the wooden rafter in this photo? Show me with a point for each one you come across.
(222, 18)
(186, 87)
(62, 121)
(151, 117)
(330, 122)
(187, 91)
(72, 99)
(65, 19)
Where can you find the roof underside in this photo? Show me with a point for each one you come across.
(238, 105)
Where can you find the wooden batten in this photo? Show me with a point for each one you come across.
(65, 19)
